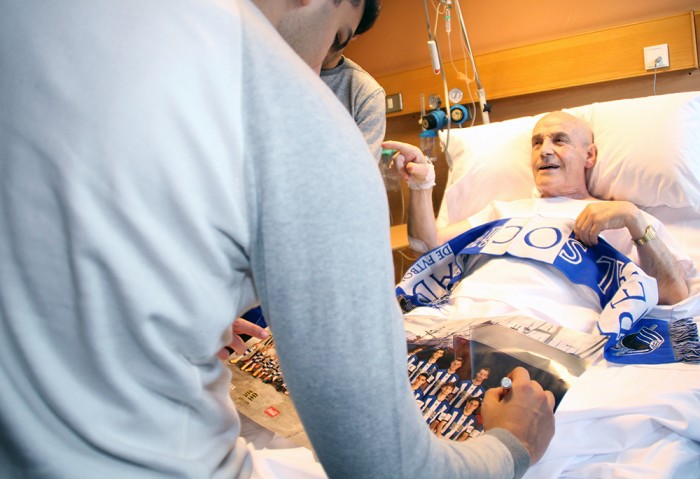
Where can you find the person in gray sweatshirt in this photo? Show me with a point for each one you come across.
(146, 199)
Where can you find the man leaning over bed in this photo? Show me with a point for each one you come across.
(126, 249)
(563, 150)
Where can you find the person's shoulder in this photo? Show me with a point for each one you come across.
(263, 43)
(358, 72)
(351, 65)
(269, 64)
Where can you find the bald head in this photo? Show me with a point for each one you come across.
(562, 152)
(575, 125)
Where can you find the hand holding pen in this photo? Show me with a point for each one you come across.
(506, 385)
(521, 406)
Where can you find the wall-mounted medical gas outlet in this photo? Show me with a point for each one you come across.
(437, 119)
(652, 55)
(434, 101)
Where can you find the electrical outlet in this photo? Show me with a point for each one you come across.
(653, 53)
(393, 103)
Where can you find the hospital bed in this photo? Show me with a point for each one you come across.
(615, 421)
(631, 421)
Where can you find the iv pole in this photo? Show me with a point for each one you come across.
(485, 107)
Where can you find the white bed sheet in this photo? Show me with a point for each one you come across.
(627, 422)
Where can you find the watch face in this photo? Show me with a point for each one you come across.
(456, 95)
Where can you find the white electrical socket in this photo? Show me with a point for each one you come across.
(651, 54)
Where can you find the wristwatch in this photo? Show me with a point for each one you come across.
(649, 234)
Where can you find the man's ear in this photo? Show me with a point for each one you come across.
(591, 156)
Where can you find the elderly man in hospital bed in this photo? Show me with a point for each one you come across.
(563, 150)
(626, 416)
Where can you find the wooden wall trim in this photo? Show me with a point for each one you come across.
(697, 35)
(605, 55)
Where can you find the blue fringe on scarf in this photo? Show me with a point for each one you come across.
(669, 341)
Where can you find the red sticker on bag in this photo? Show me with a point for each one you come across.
(271, 411)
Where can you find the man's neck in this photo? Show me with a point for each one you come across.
(335, 64)
(274, 10)
(579, 194)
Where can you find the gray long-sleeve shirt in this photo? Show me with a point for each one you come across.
(147, 197)
(364, 99)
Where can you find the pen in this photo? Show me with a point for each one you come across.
(506, 384)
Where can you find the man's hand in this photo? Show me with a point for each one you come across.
(410, 162)
(242, 326)
(526, 410)
(414, 168)
(654, 257)
(608, 215)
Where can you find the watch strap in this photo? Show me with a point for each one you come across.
(649, 234)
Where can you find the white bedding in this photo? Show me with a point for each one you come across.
(627, 422)
(615, 421)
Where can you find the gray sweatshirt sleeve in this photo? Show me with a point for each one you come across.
(363, 97)
(371, 119)
(323, 270)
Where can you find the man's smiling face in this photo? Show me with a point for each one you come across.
(562, 152)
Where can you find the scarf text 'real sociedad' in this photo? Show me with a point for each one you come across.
(626, 292)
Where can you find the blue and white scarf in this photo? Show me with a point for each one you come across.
(626, 293)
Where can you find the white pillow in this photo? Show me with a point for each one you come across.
(648, 153)
(648, 150)
(489, 162)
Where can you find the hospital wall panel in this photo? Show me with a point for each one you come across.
(596, 57)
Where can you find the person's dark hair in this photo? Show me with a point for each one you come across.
(477, 410)
(452, 385)
(369, 16)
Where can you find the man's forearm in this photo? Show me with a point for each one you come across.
(654, 256)
(657, 261)
(421, 219)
